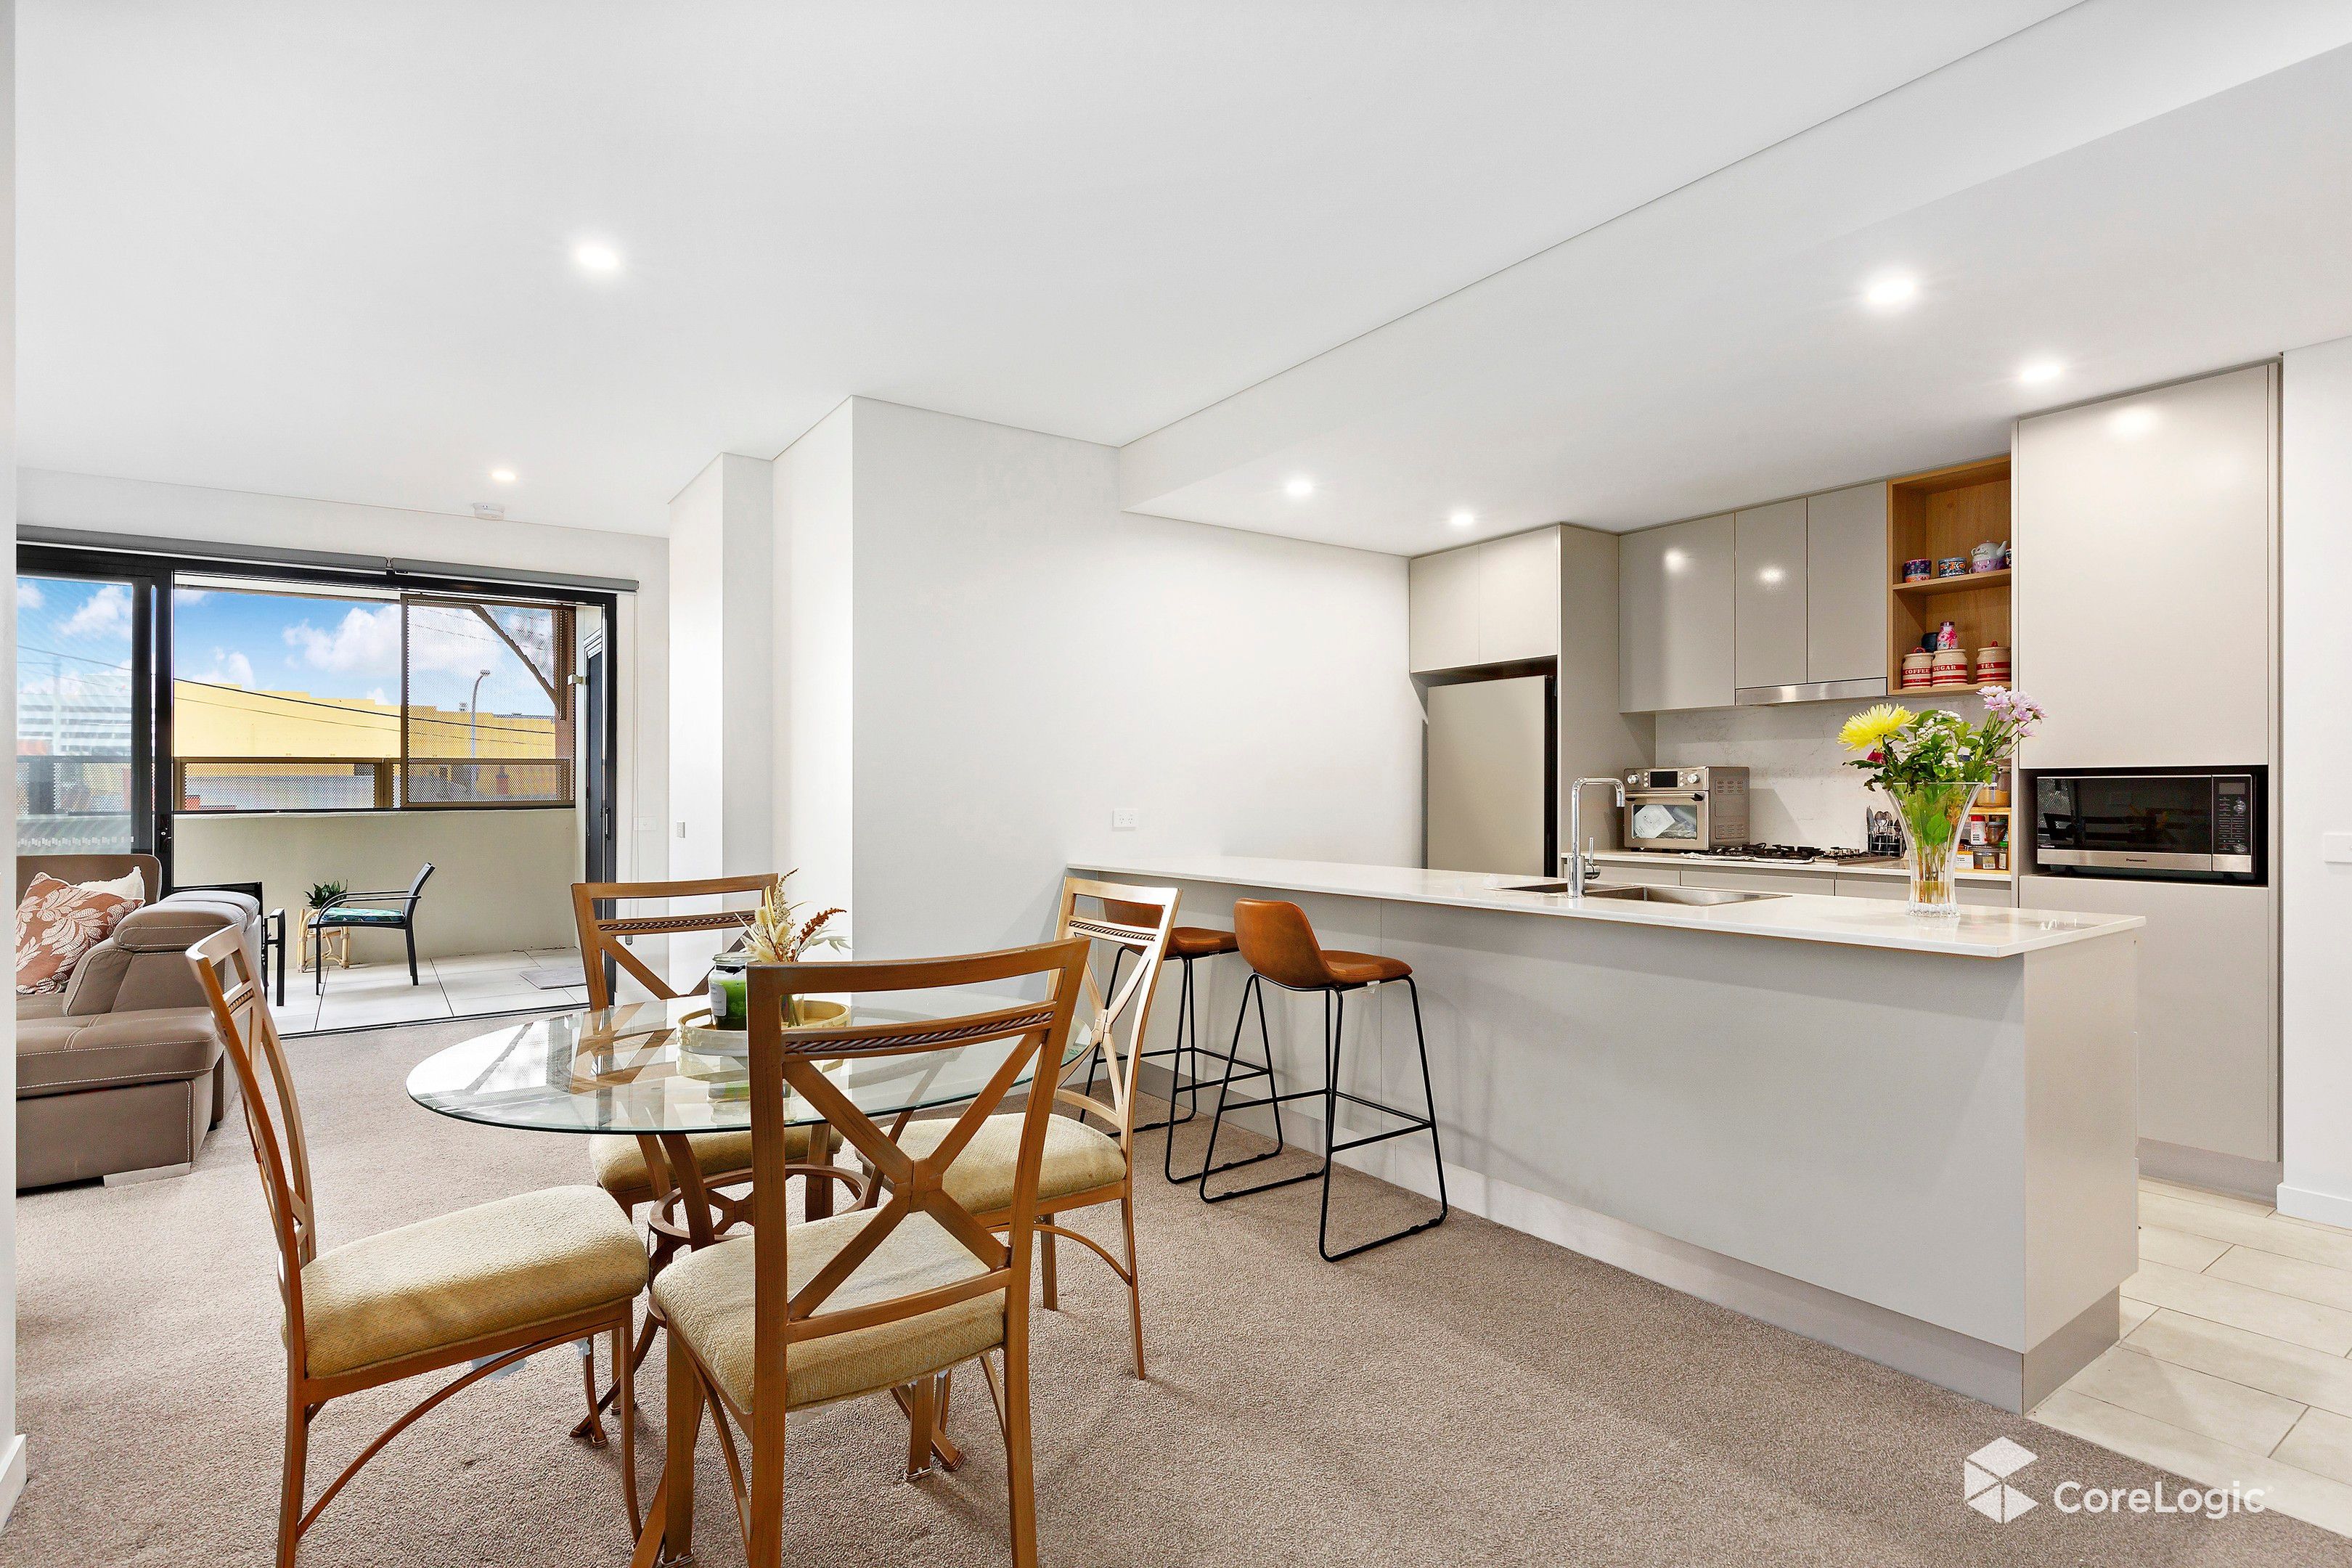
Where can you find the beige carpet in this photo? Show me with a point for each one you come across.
(1470, 1396)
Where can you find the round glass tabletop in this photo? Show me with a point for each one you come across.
(621, 1069)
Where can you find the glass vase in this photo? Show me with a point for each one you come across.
(1933, 815)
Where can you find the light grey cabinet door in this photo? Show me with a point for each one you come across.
(1486, 777)
(1518, 597)
(2146, 550)
(1674, 617)
(1769, 603)
(1846, 578)
(1761, 879)
(1444, 590)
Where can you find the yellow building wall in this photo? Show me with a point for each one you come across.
(210, 720)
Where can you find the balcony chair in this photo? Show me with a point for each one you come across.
(346, 915)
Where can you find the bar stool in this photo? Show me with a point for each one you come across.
(1186, 945)
(1280, 948)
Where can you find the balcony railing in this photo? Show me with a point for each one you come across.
(366, 783)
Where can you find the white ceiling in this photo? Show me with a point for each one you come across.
(323, 251)
(2139, 191)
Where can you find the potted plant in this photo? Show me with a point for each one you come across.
(777, 933)
(1931, 765)
(321, 896)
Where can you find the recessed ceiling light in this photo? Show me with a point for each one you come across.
(1893, 292)
(597, 257)
(2039, 371)
(1299, 488)
(503, 476)
(1772, 576)
(1462, 519)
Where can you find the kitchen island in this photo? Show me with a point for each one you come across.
(1912, 1139)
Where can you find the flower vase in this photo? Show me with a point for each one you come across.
(1933, 815)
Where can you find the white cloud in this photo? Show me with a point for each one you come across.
(191, 595)
(377, 694)
(228, 669)
(365, 640)
(28, 594)
(105, 614)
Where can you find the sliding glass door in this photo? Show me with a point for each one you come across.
(85, 644)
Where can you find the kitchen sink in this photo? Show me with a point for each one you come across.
(1538, 887)
(1659, 895)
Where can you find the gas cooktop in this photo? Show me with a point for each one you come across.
(1791, 852)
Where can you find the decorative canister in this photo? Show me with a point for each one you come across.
(1918, 569)
(1947, 635)
(1950, 669)
(1984, 557)
(1992, 665)
(1918, 669)
(1952, 566)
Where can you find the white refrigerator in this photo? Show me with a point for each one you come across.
(1487, 789)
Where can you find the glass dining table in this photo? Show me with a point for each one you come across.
(633, 1069)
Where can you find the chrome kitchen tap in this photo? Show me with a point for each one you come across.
(1579, 859)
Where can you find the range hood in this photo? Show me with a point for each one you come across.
(1810, 691)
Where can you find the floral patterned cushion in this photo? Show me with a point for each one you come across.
(55, 924)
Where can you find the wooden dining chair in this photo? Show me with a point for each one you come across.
(619, 1161)
(1083, 1167)
(876, 1301)
(487, 1285)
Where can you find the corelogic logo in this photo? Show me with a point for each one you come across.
(1984, 1480)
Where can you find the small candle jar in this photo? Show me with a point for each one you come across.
(730, 997)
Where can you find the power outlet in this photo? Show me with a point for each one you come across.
(1125, 818)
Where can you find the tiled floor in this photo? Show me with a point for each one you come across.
(2236, 1363)
(479, 983)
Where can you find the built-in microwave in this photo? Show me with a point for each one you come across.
(1686, 808)
(2186, 824)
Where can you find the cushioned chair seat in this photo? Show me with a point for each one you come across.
(527, 1259)
(361, 917)
(708, 1299)
(1200, 942)
(106, 1050)
(1077, 1159)
(1362, 968)
(619, 1160)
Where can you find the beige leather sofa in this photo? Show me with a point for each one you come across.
(122, 1075)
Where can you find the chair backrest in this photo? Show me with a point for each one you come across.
(273, 1121)
(600, 936)
(416, 889)
(1277, 941)
(1136, 922)
(1039, 1033)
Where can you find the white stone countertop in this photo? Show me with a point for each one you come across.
(1893, 868)
(1974, 932)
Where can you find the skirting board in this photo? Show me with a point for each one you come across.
(12, 1477)
(2014, 1381)
(2305, 1202)
(2216, 1172)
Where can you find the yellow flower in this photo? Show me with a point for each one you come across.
(1869, 730)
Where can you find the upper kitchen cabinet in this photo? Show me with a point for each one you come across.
(1846, 573)
(1768, 601)
(1675, 609)
(1496, 603)
(2146, 529)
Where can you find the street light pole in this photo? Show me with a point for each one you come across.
(474, 715)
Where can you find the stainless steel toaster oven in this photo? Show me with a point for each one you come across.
(1686, 808)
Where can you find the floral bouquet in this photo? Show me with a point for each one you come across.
(1931, 765)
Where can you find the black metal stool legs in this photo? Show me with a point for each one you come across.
(1336, 1007)
(1334, 1017)
(1184, 1059)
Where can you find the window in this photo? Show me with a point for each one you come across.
(289, 696)
(74, 642)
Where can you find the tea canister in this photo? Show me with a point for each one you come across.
(1952, 566)
(1918, 569)
(1992, 665)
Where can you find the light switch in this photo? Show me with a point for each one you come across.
(1123, 818)
(2335, 849)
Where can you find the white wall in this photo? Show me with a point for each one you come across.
(2315, 780)
(641, 664)
(12, 1445)
(698, 703)
(810, 769)
(1027, 658)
